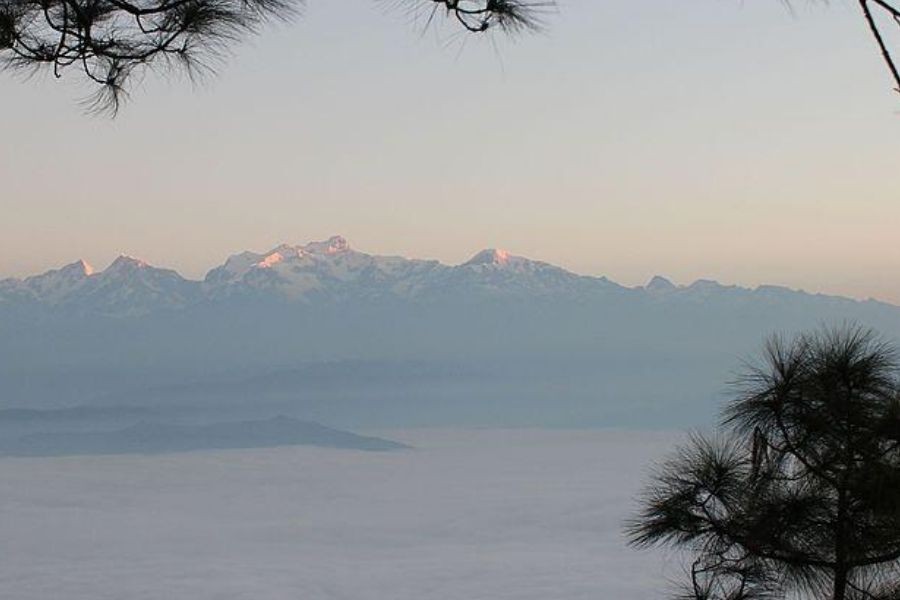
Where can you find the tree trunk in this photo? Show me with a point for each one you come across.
(840, 547)
(840, 583)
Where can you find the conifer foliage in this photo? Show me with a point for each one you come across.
(109, 41)
(799, 494)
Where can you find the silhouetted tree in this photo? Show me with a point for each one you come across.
(108, 40)
(889, 10)
(800, 495)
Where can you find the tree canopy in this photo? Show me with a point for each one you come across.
(108, 41)
(799, 496)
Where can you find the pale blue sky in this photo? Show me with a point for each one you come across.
(707, 138)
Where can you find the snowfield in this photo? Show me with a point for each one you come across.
(465, 515)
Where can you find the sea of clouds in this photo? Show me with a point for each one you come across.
(465, 515)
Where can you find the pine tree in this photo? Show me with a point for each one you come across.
(108, 41)
(799, 494)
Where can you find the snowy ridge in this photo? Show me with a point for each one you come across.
(332, 271)
(127, 287)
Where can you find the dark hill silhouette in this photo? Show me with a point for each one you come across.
(154, 438)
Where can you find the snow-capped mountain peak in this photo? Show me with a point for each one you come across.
(270, 260)
(334, 245)
(79, 267)
(235, 266)
(492, 256)
(286, 251)
(56, 284)
(276, 255)
(239, 266)
(324, 269)
(125, 264)
(76, 270)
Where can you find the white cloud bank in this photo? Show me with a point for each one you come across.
(467, 515)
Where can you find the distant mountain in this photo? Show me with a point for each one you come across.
(320, 271)
(332, 271)
(128, 287)
(154, 438)
(325, 271)
(324, 331)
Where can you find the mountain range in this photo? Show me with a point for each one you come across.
(326, 332)
(327, 271)
(331, 271)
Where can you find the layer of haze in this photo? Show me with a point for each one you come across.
(704, 139)
(505, 515)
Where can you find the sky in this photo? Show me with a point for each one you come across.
(729, 140)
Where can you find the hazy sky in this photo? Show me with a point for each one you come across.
(695, 139)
